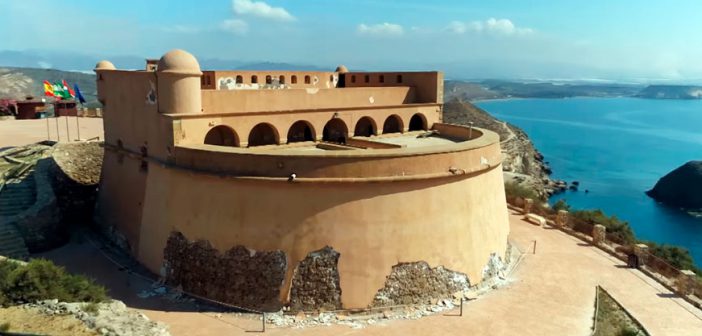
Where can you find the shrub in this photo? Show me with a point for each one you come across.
(676, 256)
(561, 205)
(514, 190)
(40, 280)
(91, 308)
(616, 228)
(5, 327)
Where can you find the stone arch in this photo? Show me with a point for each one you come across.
(301, 130)
(393, 124)
(418, 122)
(222, 135)
(365, 127)
(335, 131)
(263, 134)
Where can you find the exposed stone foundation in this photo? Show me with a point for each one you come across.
(315, 284)
(417, 283)
(240, 276)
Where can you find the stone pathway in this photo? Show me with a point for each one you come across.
(552, 293)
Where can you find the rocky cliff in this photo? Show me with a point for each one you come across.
(680, 188)
(522, 162)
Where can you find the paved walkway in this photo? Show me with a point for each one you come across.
(552, 293)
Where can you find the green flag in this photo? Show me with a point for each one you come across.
(61, 91)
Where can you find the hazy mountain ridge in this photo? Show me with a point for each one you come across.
(671, 92)
(18, 83)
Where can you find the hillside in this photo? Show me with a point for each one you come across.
(495, 89)
(20, 82)
(522, 163)
(671, 92)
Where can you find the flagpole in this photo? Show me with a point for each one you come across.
(78, 125)
(68, 132)
(48, 134)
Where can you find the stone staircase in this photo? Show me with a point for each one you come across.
(16, 195)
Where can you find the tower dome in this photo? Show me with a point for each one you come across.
(342, 69)
(104, 65)
(179, 61)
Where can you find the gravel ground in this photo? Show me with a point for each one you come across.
(109, 319)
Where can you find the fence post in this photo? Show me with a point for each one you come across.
(561, 218)
(528, 202)
(598, 234)
(641, 252)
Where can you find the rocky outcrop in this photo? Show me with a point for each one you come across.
(75, 177)
(241, 277)
(315, 284)
(680, 188)
(417, 283)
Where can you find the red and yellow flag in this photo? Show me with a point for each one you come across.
(48, 89)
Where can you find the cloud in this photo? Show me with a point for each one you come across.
(44, 65)
(381, 29)
(234, 26)
(181, 29)
(489, 26)
(261, 9)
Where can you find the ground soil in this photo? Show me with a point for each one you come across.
(31, 321)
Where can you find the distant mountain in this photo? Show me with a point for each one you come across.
(282, 66)
(20, 82)
(493, 89)
(671, 92)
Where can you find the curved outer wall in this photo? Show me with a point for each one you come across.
(456, 222)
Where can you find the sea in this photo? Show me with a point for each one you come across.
(617, 148)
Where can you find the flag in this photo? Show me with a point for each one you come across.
(48, 89)
(68, 88)
(79, 95)
(60, 91)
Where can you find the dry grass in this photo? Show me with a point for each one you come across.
(31, 321)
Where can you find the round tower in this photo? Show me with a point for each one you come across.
(100, 68)
(179, 87)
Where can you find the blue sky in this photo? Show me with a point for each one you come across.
(616, 40)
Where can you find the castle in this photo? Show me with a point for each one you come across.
(315, 190)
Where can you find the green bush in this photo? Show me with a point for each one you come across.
(5, 327)
(513, 190)
(40, 279)
(561, 205)
(676, 256)
(617, 228)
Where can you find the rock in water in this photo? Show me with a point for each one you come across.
(680, 188)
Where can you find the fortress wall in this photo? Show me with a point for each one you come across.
(318, 79)
(455, 222)
(346, 164)
(194, 128)
(131, 112)
(242, 101)
(429, 86)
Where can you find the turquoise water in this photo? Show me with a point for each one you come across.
(617, 148)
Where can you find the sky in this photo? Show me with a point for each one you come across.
(622, 40)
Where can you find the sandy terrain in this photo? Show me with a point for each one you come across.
(22, 132)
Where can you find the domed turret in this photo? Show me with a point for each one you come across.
(342, 69)
(179, 83)
(179, 61)
(104, 65)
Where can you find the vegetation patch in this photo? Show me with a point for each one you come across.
(40, 279)
(515, 190)
(612, 320)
